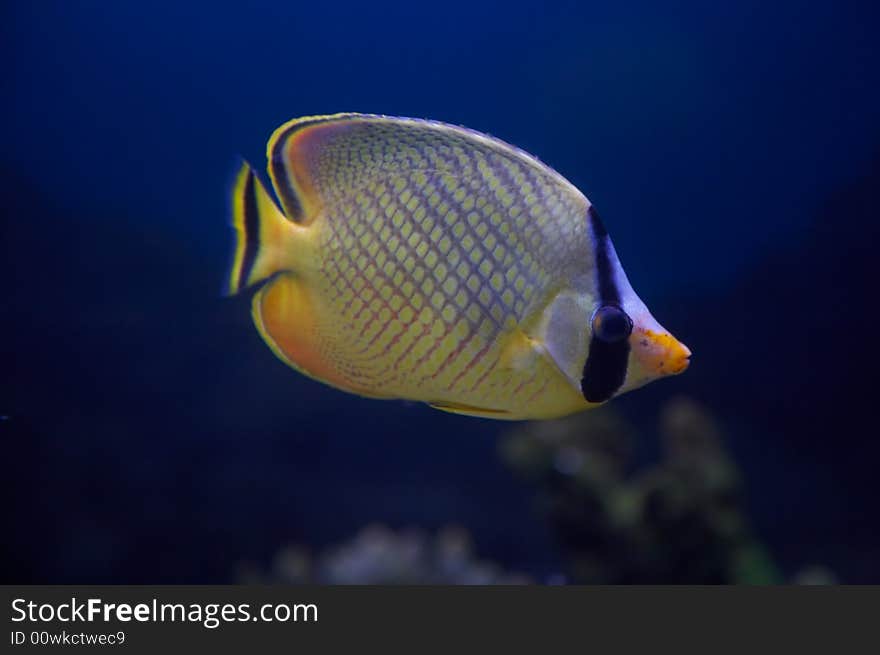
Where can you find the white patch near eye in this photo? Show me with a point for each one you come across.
(566, 331)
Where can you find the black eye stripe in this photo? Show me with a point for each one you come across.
(605, 369)
(608, 292)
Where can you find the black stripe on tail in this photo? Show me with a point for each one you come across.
(251, 225)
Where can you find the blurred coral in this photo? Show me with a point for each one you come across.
(816, 575)
(681, 521)
(379, 555)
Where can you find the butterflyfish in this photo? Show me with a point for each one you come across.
(417, 260)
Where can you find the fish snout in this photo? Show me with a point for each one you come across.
(660, 353)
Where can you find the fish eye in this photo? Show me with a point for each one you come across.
(611, 324)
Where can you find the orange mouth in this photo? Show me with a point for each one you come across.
(660, 352)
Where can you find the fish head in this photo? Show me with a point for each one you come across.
(626, 346)
(652, 351)
(606, 349)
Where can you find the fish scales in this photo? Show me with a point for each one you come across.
(450, 243)
(419, 260)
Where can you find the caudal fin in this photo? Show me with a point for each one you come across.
(263, 234)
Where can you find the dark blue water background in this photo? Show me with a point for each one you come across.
(150, 436)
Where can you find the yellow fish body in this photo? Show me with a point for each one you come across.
(423, 261)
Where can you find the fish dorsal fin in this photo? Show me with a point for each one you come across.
(317, 159)
(294, 156)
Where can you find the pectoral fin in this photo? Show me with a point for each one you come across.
(519, 351)
(469, 410)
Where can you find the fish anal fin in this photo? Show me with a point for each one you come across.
(285, 316)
